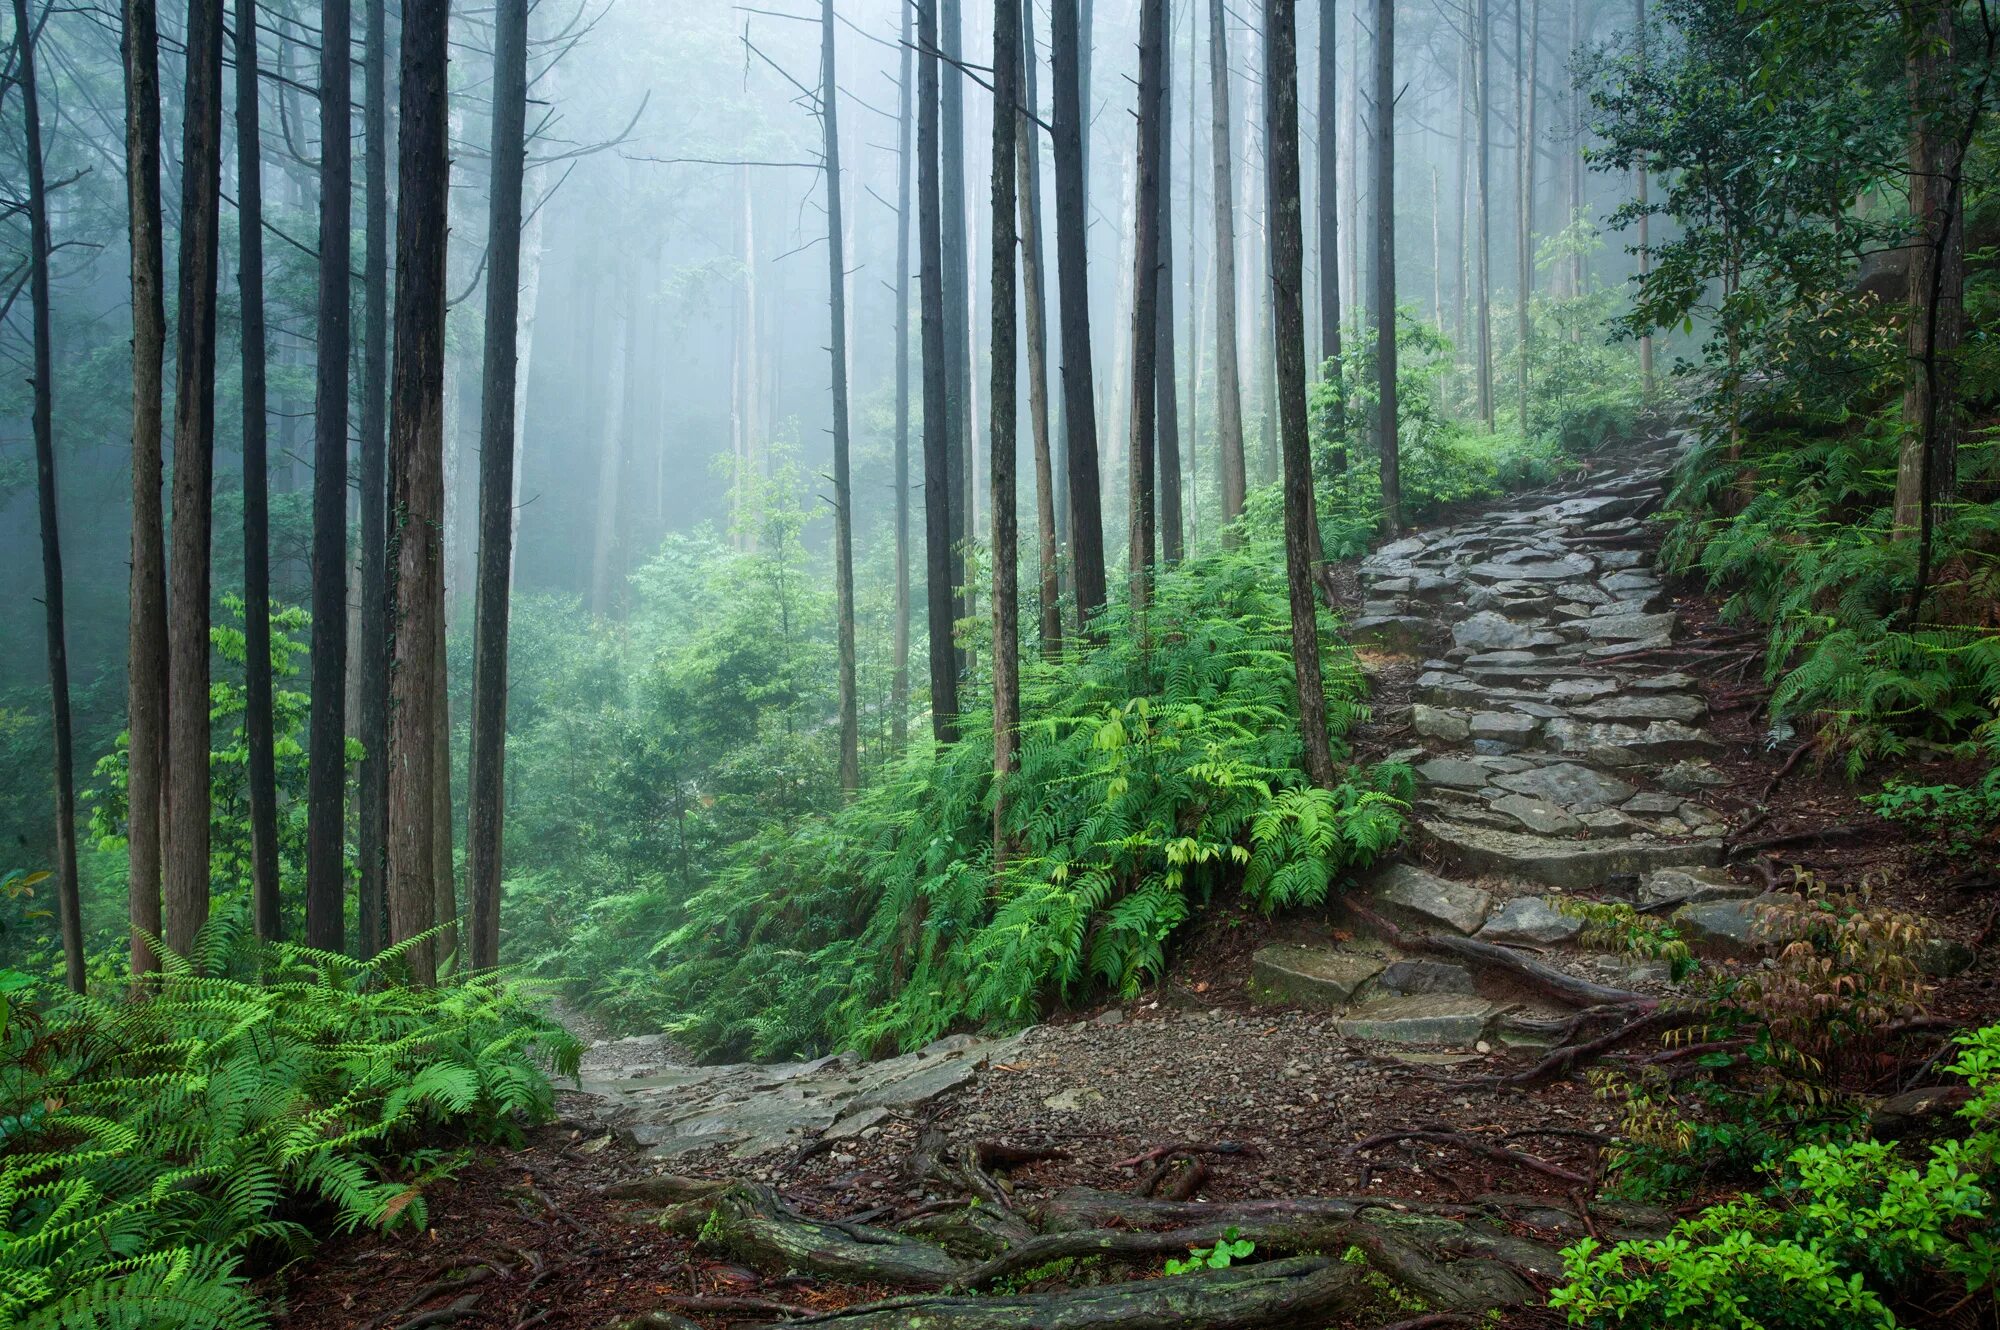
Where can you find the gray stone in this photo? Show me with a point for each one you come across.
(1673, 681)
(1488, 631)
(1690, 886)
(1578, 788)
(1729, 928)
(1655, 706)
(1407, 891)
(1943, 957)
(1652, 802)
(1550, 570)
(1567, 865)
(1435, 1018)
(1530, 919)
(1434, 723)
(1611, 822)
(1537, 815)
(1573, 690)
(1411, 977)
(1628, 627)
(1109, 1016)
(1456, 772)
(1290, 975)
(1691, 776)
(1506, 727)
(1400, 633)
(1608, 743)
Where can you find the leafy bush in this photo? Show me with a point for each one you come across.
(1845, 1237)
(149, 1145)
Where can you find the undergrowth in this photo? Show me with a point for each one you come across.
(153, 1147)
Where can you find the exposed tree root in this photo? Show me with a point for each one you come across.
(752, 1225)
(1521, 969)
(1479, 1145)
(1570, 1057)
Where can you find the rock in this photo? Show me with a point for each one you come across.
(1109, 1016)
(1673, 681)
(1943, 957)
(1412, 977)
(1682, 707)
(1400, 633)
(1433, 723)
(1435, 1018)
(1409, 893)
(1537, 815)
(856, 1124)
(1691, 776)
(1505, 727)
(1610, 744)
(1455, 772)
(1578, 788)
(1730, 928)
(1628, 627)
(1073, 1101)
(1568, 567)
(1611, 822)
(1567, 865)
(1288, 974)
(1573, 690)
(1493, 632)
(1652, 803)
(1690, 886)
(1530, 919)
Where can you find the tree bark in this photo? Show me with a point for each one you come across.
(486, 780)
(1228, 384)
(1328, 207)
(1146, 301)
(372, 798)
(187, 775)
(1385, 266)
(1035, 291)
(416, 424)
(1639, 189)
(263, 778)
(1073, 280)
(843, 489)
(146, 656)
(69, 914)
(1281, 117)
(1167, 452)
(611, 451)
(1527, 47)
(1483, 116)
(326, 772)
(1001, 402)
(939, 583)
(899, 678)
(957, 312)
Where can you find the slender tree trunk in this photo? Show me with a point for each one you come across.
(444, 883)
(1437, 251)
(416, 425)
(1035, 293)
(1328, 208)
(326, 775)
(263, 779)
(1574, 172)
(1228, 385)
(69, 912)
(1146, 297)
(1639, 189)
(372, 814)
(1281, 115)
(611, 453)
(146, 669)
(1483, 114)
(486, 782)
(1172, 542)
(957, 313)
(843, 489)
(1073, 278)
(1385, 264)
(1000, 433)
(938, 475)
(1525, 62)
(899, 679)
(187, 775)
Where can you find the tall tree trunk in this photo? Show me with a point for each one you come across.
(1168, 452)
(1035, 291)
(1073, 281)
(372, 797)
(899, 678)
(1483, 114)
(187, 775)
(263, 778)
(1437, 251)
(843, 489)
(1927, 466)
(69, 913)
(146, 668)
(611, 452)
(1228, 385)
(1000, 432)
(416, 440)
(1639, 189)
(1328, 208)
(1385, 265)
(1527, 49)
(486, 781)
(326, 773)
(1281, 117)
(444, 883)
(939, 582)
(1146, 297)
(957, 312)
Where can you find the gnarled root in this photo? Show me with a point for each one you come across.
(749, 1223)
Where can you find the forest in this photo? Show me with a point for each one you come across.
(1000, 664)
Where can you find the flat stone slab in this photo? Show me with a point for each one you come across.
(1408, 892)
(1682, 707)
(1537, 815)
(1488, 631)
(1568, 567)
(1611, 744)
(1569, 785)
(1691, 886)
(1530, 919)
(1455, 772)
(1435, 1018)
(1290, 974)
(1569, 865)
(1410, 978)
(1729, 928)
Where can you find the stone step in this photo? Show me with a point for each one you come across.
(1450, 1019)
(1292, 974)
(1567, 865)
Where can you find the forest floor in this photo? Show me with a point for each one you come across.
(1191, 1090)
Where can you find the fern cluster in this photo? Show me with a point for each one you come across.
(1154, 769)
(149, 1144)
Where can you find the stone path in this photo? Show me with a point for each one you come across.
(1554, 764)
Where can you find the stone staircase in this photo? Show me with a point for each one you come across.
(1553, 764)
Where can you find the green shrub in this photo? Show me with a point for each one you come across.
(149, 1144)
